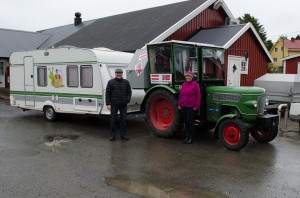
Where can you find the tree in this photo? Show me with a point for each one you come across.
(247, 18)
(282, 37)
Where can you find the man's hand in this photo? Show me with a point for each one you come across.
(109, 107)
(179, 107)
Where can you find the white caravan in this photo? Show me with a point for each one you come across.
(67, 80)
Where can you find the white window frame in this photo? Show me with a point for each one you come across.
(246, 66)
(298, 68)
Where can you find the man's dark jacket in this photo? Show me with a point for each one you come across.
(118, 92)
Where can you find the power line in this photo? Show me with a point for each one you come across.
(284, 34)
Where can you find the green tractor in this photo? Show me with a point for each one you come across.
(233, 112)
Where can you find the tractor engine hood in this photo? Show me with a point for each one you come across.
(236, 90)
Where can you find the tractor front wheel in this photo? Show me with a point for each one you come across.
(264, 136)
(162, 113)
(233, 134)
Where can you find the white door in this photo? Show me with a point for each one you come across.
(234, 71)
(298, 69)
(29, 81)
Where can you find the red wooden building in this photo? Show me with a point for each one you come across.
(291, 64)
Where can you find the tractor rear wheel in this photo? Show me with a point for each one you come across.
(264, 136)
(233, 134)
(162, 113)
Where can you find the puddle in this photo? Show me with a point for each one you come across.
(159, 189)
(56, 141)
(57, 137)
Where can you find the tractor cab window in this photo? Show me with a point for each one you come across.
(185, 59)
(213, 64)
(160, 59)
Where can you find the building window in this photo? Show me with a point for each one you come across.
(276, 49)
(86, 76)
(244, 67)
(1, 68)
(72, 76)
(282, 48)
(275, 59)
(42, 76)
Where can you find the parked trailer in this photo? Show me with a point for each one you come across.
(282, 89)
(66, 80)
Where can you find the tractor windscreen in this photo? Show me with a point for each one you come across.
(160, 59)
(213, 64)
(185, 59)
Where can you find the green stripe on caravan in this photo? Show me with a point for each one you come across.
(66, 95)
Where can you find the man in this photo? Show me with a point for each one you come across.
(118, 95)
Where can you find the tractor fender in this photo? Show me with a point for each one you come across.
(49, 103)
(153, 89)
(227, 116)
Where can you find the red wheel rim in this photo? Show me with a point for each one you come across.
(231, 134)
(161, 113)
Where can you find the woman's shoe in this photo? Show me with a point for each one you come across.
(186, 139)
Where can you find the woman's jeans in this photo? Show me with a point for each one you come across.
(188, 116)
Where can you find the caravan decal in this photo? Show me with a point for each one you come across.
(57, 79)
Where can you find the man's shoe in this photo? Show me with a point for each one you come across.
(189, 141)
(112, 138)
(125, 138)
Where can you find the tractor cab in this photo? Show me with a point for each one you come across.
(169, 61)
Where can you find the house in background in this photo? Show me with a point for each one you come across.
(205, 21)
(284, 48)
(14, 40)
(291, 64)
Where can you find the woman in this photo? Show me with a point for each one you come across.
(189, 102)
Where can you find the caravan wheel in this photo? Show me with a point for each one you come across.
(49, 113)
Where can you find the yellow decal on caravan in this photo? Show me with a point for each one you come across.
(56, 79)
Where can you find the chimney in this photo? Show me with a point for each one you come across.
(77, 20)
(293, 39)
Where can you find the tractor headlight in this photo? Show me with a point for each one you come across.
(255, 104)
(267, 102)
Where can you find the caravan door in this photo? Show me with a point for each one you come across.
(29, 81)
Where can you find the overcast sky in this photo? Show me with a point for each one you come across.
(278, 17)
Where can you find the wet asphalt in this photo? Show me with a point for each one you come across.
(72, 157)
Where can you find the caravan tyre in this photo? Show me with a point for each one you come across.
(49, 113)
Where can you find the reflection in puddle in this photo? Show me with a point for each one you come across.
(159, 190)
(53, 142)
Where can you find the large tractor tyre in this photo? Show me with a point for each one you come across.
(233, 134)
(162, 113)
(49, 113)
(264, 136)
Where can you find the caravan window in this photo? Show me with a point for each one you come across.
(42, 76)
(72, 76)
(86, 76)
